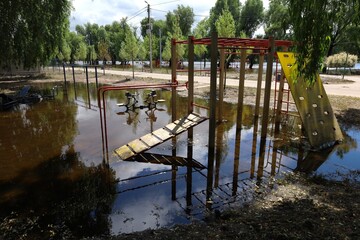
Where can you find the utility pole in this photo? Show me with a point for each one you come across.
(160, 46)
(149, 32)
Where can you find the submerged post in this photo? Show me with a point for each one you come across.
(191, 59)
(173, 78)
(173, 115)
(269, 68)
(241, 89)
(87, 85)
(259, 82)
(212, 119)
(65, 86)
(73, 74)
(221, 84)
(96, 77)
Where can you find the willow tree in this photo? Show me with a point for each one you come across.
(312, 35)
(31, 30)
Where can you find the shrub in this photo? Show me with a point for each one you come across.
(342, 59)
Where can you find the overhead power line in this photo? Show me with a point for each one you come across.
(165, 3)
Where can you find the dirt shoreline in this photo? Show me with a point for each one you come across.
(296, 206)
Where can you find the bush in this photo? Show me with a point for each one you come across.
(342, 59)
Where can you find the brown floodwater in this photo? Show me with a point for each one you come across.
(53, 162)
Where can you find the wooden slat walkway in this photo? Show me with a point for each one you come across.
(154, 138)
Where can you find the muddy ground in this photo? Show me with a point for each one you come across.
(294, 207)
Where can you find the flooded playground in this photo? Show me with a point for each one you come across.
(57, 167)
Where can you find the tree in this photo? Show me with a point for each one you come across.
(186, 19)
(64, 53)
(202, 30)
(310, 20)
(183, 17)
(234, 7)
(225, 25)
(92, 54)
(277, 20)
(77, 46)
(129, 49)
(252, 15)
(103, 51)
(31, 31)
(116, 33)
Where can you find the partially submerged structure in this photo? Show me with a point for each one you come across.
(319, 123)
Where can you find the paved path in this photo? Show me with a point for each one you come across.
(343, 89)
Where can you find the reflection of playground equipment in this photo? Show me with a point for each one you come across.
(132, 101)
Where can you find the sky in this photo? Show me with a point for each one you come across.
(105, 12)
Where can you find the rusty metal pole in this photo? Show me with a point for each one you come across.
(212, 119)
(221, 84)
(259, 83)
(279, 100)
(269, 68)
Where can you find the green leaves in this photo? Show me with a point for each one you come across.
(311, 30)
(31, 30)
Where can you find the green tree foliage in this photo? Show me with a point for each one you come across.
(277, 20)
(321, 28)
(343, 17)
(103, 51)
(64, 53)
(225, 25)
(182, 17)
(234, 7)
(129, 49)
(311, 32)
(186, 19)
(166, 54)
(116, 34)
(202, 30)
(77, 46)
(92, 55)
(252, 15)
(31, 30)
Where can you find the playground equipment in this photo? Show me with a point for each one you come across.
(131, 104)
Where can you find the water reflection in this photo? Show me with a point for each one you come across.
(52, 162)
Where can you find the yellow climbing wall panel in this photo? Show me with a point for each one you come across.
(313, 105)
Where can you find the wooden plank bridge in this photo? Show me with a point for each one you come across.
(133, 151)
